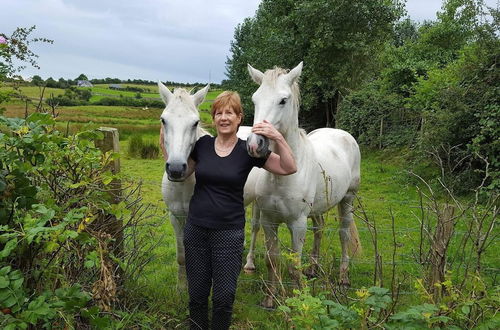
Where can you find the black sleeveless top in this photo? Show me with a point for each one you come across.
(217, 201)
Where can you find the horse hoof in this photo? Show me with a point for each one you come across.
(249, 270)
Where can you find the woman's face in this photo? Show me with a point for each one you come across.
(226, 120)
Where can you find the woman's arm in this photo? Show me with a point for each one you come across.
(281, 162)
(191, 164)
(162, 145)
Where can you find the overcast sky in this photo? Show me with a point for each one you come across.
(182, 41)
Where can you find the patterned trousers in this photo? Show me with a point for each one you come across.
(213, 261)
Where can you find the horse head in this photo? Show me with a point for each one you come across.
(276, 100)
(180, 120)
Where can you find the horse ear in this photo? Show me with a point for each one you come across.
(199, 96)
(165, 93)
(256, 75)
(295, 73)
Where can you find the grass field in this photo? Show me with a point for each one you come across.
(129, 120)
(102, 90)
(387, 191)
(383, 191)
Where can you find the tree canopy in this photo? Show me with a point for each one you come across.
(336, 40)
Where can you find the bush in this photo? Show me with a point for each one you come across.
(150, 151)
(130, 101)
(142, 149)
(363, 112)
(460, 108)
(52, 189)
(135, 145)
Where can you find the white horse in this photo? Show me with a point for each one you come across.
(181, 127)
(180, 120)
(328, 173)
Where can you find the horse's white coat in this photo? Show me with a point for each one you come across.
(328, 173)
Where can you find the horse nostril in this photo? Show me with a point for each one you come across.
(260, 142)
(184, 166)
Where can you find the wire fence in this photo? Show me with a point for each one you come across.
(407, 230)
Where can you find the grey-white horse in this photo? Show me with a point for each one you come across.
(181, 127)
(328, 174)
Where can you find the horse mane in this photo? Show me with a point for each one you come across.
(184, 96)
(181, 93)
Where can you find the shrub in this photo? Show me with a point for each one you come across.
(150, 151)
(377, 118)
(142, 149)
(135, 145)
(52, 189)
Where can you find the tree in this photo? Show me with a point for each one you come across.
(50, 82)
(16, 47)
(338, 41)
(37, 80)
(82, 77)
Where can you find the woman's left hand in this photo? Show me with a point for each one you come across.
(267, 129)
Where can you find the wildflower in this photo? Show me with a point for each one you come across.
(362, 293)
(3, 40)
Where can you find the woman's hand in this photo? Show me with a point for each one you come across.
(268, 130)
(281, 161)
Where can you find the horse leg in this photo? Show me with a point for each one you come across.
(298, 230)
(178, 224)
(272, 257)
(250, 265)
(348, 233)
(318, 224)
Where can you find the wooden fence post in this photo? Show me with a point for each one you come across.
(112, 225)
(439, 246)
(105, 289)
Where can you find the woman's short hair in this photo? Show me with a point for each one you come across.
(228, 98)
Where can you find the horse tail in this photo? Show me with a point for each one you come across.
(354, 245)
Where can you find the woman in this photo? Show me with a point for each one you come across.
(214, 231)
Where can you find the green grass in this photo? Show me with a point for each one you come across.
(386, 189)
(34, 92)
(102, 90)
(380, 191)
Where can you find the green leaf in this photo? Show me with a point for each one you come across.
(40, 118)
(5, 270)
(285, 309)
(9, 247)
(4, 282)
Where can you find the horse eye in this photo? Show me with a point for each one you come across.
(283, 101)
(162, 121)
(196, 123)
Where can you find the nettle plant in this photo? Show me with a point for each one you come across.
(53, 189)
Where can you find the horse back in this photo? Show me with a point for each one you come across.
(339, 159)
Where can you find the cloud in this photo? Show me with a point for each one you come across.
(185, 41)
(172, 40)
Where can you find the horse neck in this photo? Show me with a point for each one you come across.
(292, 133)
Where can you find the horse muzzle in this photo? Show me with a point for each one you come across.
(257, 145)
(176, 171)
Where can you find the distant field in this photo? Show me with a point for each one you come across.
(105, 91)
(102, 90)
(34, 91)
(128, 120)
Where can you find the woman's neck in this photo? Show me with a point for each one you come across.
(224, 140)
